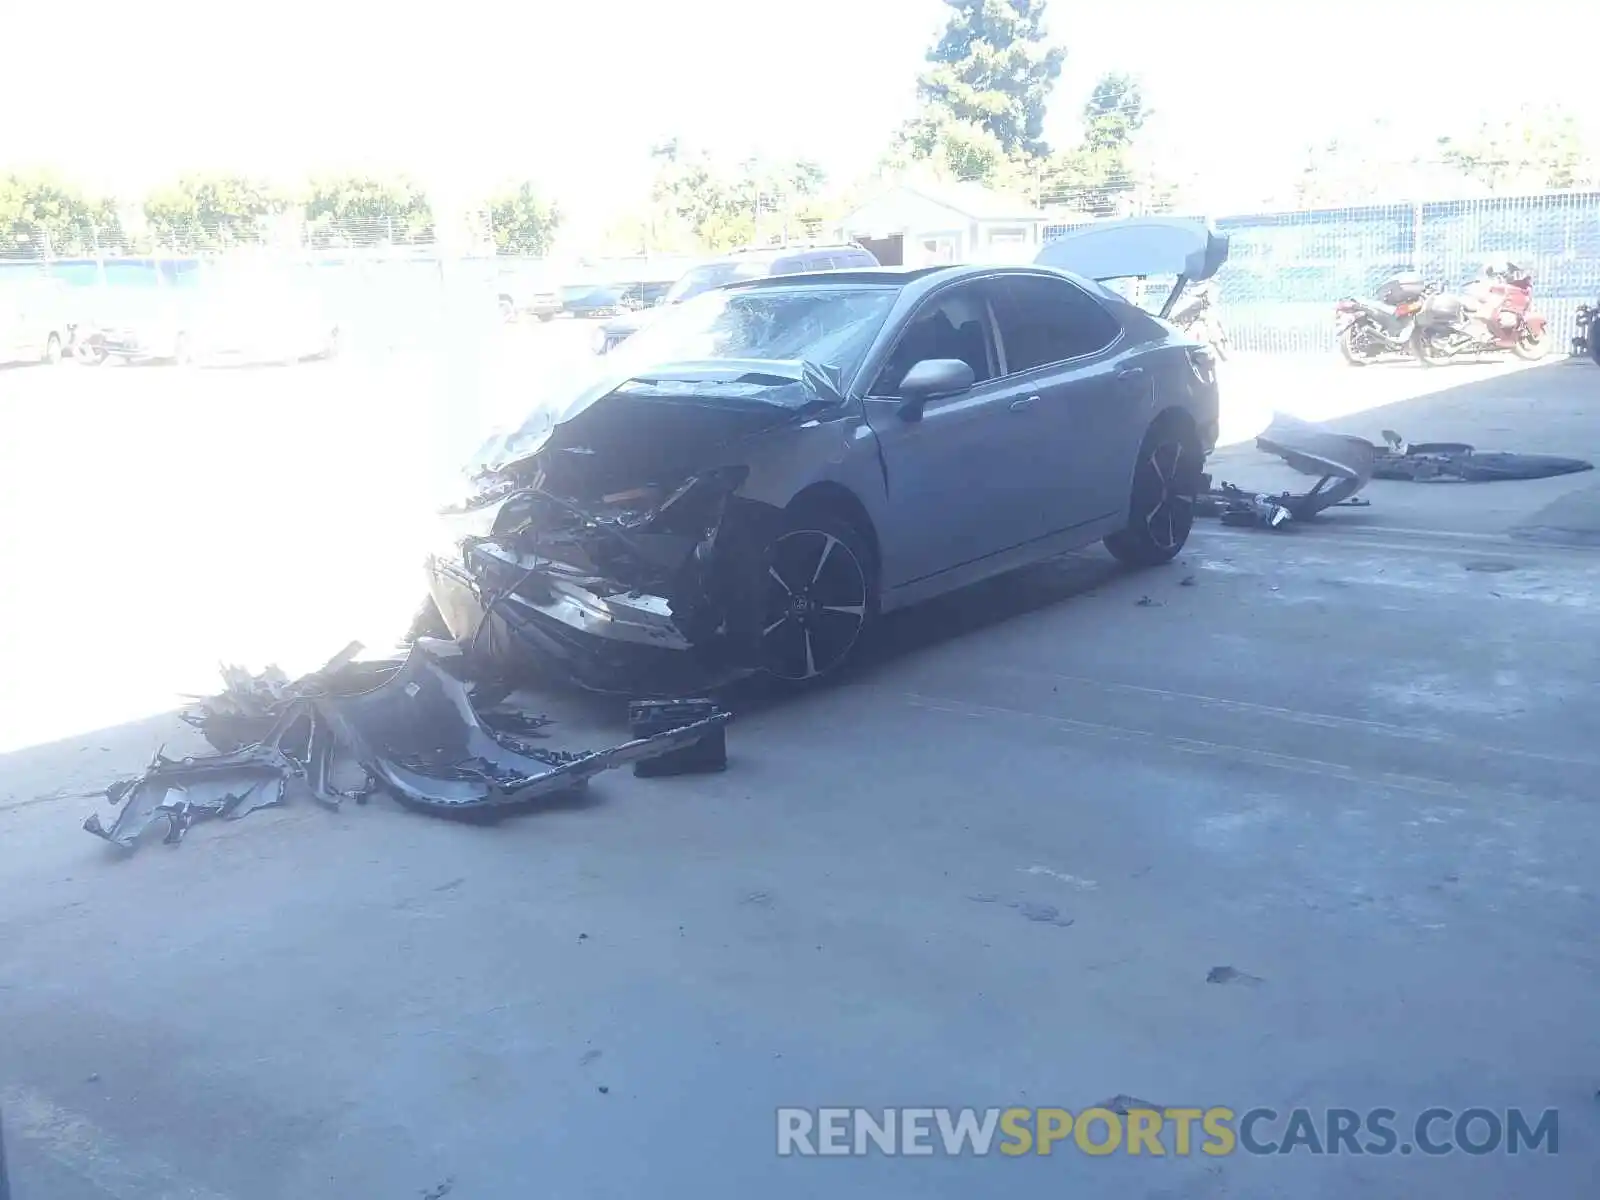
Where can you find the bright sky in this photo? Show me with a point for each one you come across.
(574, 93)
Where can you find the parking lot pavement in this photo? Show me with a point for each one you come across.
(1354, 768)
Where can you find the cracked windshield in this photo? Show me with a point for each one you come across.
(611, 602)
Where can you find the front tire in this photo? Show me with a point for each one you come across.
(1166, 478)
(52, 349)
(1531, 347)
(818, 597)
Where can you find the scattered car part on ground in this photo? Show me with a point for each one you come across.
(407, 727)
(1342, 464)
(1457, 462)
(754, 477)
(648, 718)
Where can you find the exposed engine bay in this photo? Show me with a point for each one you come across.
(625, 527)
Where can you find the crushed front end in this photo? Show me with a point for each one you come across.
(614, 555)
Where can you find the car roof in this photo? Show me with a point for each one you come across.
(893, 276)
(797, 250)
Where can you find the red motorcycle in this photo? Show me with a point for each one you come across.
(1493, 314)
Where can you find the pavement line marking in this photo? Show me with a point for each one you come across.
(78, 1145)
(1184, 745)
(1413, 539)
(1300, 716)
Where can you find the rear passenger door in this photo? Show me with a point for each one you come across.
(1061, 346)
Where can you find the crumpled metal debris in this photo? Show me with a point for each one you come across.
(1343, 465)
(407, 727)
(1458, 462)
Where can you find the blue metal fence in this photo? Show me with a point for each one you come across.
(1286, 270)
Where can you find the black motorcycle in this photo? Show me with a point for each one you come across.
(1369, 330)
(1586, 340)
(1196, 315)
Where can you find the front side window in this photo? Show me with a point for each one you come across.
(1044, 320)
(954, 324)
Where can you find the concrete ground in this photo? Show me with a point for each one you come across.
(1351, 764)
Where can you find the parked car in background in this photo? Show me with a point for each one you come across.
(593, 300)
(35, 320)
(220, 318)
(645, 295)
(527, 289)
(752, 263)
(787, 458)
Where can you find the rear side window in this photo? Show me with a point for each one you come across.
(1044, 320)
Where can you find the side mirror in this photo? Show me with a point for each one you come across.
(932, 379)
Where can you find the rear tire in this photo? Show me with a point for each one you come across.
(1166, 479)
(1347, 347)
(818, 597)
(1423, 351)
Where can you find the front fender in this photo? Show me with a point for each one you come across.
(1534, 322)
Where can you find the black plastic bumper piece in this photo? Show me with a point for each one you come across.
(650, 718)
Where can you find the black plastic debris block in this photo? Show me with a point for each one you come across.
(647, 718)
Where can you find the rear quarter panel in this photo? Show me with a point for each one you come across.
(1181, 375)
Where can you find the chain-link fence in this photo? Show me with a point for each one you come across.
(1287, 269)
(410, 282)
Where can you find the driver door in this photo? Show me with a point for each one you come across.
(952, 500)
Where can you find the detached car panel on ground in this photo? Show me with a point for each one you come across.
(756, 476)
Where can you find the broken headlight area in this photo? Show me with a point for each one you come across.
(406, 727)
(598, 571)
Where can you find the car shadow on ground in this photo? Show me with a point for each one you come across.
(965, 613)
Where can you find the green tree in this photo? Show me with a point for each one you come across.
(42, 214)
(721, 206)
(1534, 149)
(364, 210)
(1099, 176)
(201, 212)
(523, 221)
(993, 68)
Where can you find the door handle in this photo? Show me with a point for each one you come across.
(1024, 404)
(1131, 373)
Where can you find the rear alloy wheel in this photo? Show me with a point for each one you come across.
(817, 599)
(1161, 512)
(52, 349)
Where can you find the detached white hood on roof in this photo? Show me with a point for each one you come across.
(1139, 246)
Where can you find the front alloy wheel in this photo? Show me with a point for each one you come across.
(817, 601)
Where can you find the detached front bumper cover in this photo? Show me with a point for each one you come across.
(406, 727)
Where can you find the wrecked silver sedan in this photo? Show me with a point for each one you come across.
(769, 467)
